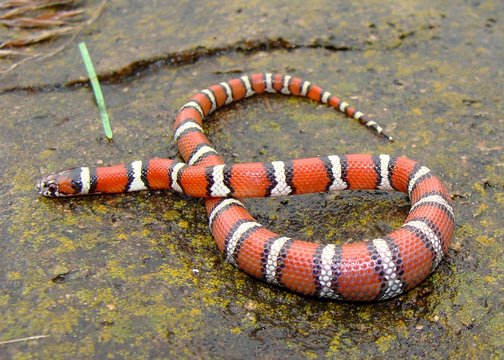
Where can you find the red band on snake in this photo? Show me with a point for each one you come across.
(371, 270)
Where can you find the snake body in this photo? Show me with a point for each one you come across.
(378, 269)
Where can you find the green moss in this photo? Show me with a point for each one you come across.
(171, 215)
(385, 342)
(336, 343)
(116, 269)
(485, 240)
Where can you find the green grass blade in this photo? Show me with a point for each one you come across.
(96, 90)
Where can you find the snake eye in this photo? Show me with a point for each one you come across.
(52, 189)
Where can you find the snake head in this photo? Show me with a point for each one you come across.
(58, 184)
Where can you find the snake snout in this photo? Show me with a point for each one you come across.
(47, 187)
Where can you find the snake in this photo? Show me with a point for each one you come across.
(362, 271)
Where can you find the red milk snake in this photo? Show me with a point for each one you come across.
(378, 269)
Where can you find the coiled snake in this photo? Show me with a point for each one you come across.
(378, 269)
